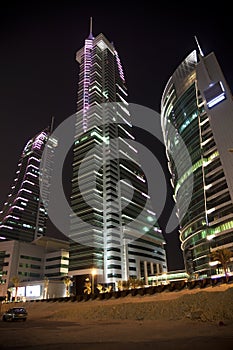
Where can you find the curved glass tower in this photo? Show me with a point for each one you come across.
(24, 216)
(111, 237)
(194, 105)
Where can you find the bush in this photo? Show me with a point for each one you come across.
(108, 295)
(101, 296)
(192, 284)
(73, 298)
(116, 294)
(180, 285)
(202, 283)
(124, 293)
(150, 290)
(134, 292)
(86, 297)
(160, 288)
(94, 296)
(171, 287)
(79, 297)
(141, 291)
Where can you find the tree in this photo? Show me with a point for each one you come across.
(135, 282)
(67, 281)
(87, 286)
(132, 282)
(100, 288)
(15, 280)
(224, 257)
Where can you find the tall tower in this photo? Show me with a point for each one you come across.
(24, 216)
(111, 237)
(197, 102)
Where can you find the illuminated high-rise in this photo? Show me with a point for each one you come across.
(24, 216)
(197, 102)
(111, 237)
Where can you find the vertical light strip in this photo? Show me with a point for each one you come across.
(119, 66)
(86, 84)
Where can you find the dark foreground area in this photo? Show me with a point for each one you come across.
(46, 334)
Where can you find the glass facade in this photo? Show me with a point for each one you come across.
(24, 216)
(207, 224)
(103, 162)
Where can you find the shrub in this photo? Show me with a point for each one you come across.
(124, 293)
(108, 295)
(134, 292)
(86, 297)
(150, 290)
(116, 294)
(191, 284)
(160, 288)
(101, 296)
(141, 291)
(180, 285)
(79, 297)
(172, 286)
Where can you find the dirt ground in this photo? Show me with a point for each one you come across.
(188, 319)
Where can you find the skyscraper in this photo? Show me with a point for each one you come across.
(111, 236)
(24, 216)
(197, 102)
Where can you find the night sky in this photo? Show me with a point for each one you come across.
(39, 74)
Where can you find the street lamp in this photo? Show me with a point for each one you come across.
(164, 276)
(209, 239)
(93, 273)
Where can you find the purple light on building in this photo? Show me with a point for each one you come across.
(39, 140)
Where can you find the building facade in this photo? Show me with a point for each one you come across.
(197, 103)
(24, 216)
(43, 261)
(112, 237)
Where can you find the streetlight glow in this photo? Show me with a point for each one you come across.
(213, 263)
(210, 237)
(93, 273)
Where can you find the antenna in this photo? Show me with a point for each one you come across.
(90, 35)
(199, 48)
(91, 25)
(52, 124)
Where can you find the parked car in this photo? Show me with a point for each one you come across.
(15, 314)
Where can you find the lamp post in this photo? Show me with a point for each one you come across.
(209, 239)
(164, 276)
(93, 273)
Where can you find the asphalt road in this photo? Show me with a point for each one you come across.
(44, 334)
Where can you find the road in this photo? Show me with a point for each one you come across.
(44, 334)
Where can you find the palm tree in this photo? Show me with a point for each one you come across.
(87, 286)
(15, 280)
(46, 285)
(224, 257)
(67, 281)
(135, 282)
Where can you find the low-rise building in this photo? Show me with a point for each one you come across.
(38, 267)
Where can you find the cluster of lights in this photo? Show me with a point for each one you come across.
(214, 94)
(39, 141)
(119, 66)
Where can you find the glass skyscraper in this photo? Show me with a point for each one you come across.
(197, 102)
(112, 237)
(23, 216)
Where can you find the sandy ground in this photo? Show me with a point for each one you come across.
(188, 319)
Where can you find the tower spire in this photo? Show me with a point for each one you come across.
(90, 33)
(199, 48)
(52, 124)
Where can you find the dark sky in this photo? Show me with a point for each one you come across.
(39, 74)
